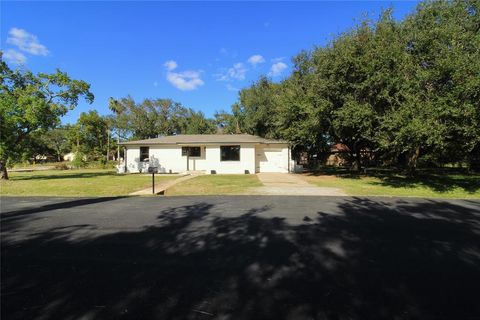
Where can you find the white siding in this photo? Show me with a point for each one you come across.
(247, 160)
(169, 158)
(166, 158)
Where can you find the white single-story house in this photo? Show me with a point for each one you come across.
(69, 156)
(211, 153)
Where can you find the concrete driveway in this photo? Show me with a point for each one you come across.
(239, 257)
(292, 184)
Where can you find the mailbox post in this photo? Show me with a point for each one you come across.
(153, 170)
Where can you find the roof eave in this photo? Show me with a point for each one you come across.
(133, 143)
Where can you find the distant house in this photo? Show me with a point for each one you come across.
(69, 156)
(211, 153)
(336, 156)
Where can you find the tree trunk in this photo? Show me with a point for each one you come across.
(108, 143)
(118, 149)
(412, 161)
(3, 170)
(357, 159)
(474, 160)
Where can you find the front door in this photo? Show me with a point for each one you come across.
(191, 163)
(192, 154)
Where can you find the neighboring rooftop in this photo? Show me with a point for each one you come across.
(204, 139)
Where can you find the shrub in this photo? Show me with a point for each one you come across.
(110, 164)
(61, 166)
(79, 160)
(102, 163)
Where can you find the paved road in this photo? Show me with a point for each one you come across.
(239, 257)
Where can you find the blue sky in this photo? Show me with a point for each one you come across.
(196, 53)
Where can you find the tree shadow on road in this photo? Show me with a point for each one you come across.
(12, 219)
(68, 203)
(417, 260)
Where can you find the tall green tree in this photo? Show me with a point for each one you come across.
(153, 117)
(147, 119)
(56, 141)
(118, 122)
(400, 91)
(444, 45)
(227, 122)
(90, 135)
(195, 122)
(257, 103)
(30, 104)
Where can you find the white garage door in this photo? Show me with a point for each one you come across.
(272, 159)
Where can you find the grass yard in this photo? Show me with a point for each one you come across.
(442, 185)
(85, 182)
(216, 184)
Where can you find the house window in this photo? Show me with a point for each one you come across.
(191, 151)
(229, 153)
(144, 153)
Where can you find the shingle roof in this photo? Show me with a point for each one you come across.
(204, 139)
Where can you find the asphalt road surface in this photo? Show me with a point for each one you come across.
(242, 257)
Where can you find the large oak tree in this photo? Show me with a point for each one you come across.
(30, 104)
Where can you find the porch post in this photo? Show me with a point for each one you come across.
(124, 159)
(288, 164)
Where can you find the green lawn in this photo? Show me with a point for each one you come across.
(35, 165)
(97, 182)
(216, 184)
(441, 185)
(85, 182)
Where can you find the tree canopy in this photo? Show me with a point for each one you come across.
(399, 91)
(31, 104)
(153, 117)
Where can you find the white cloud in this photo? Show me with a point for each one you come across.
(277, 69)
(26, 42)
(155, 84)
(231, 88)
(236, 72)
(14, 56)
(256, 59)
(186, 80)
(171, 65)
(278, 59)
